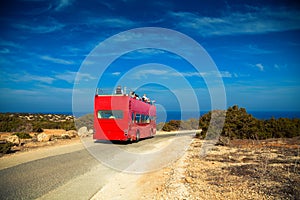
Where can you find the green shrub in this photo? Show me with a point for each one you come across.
(39, 130)
(168, 128)
(23, 135)
(5, 147)
(200, 135)
(241, 125)
(65, 137)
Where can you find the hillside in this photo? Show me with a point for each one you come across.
(27, 122)
(21, 131)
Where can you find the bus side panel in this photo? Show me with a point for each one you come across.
(145, 129)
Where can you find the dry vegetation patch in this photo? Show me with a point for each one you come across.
(245, 170)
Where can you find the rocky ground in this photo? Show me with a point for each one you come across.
(268, 169)
(49, 137)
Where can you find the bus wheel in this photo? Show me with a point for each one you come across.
(137, 136)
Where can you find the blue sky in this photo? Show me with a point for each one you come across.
(255, 46)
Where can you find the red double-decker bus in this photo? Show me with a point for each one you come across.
(124, 118)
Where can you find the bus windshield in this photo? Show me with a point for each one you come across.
(110, 114)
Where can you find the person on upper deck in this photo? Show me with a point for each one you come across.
(145, 98)
(119, 90)
(134, 95)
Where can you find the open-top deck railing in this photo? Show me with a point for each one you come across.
(119, 91)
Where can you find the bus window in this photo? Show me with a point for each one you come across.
(145, 119)
(138, 118)
(110, 114)
(132, 117)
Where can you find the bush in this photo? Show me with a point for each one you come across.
(5, 147)
(23, 135)
(39, 130)
(168, 128)
(241, 125)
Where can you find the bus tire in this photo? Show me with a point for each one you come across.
(137, 136)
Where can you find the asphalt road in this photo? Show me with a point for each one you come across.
(34, 179)
(81, 173)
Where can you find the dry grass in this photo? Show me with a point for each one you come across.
(268, 169)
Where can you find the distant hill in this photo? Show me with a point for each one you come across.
(27, 122)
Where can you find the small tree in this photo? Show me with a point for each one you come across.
(23, 135)
(5, 147)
